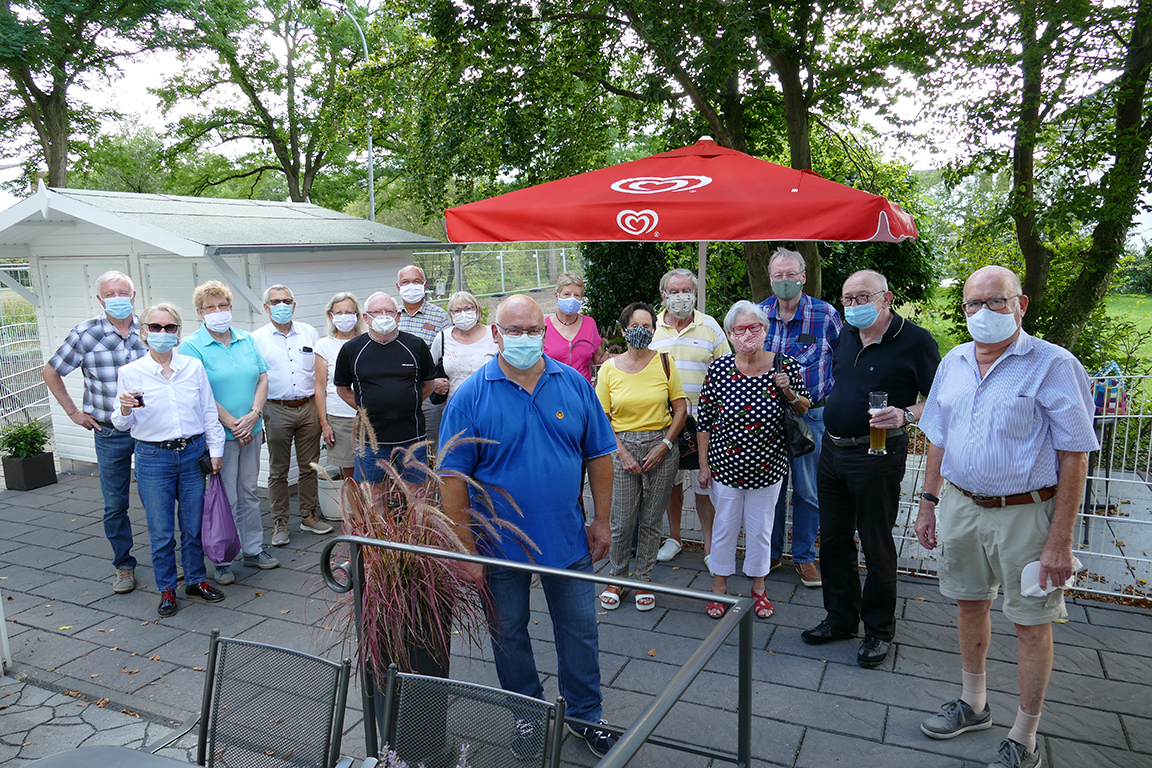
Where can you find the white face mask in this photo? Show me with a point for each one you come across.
(344, 323)
(219, 321)
(412, 293)
(681, 305)
(465, 320)
(384, 324)
(990, 327)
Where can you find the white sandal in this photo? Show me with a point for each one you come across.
(645, 601)
(610, 598)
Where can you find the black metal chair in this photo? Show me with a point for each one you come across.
(431, 721)
(269, 707)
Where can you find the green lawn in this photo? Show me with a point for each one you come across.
(1136, 308)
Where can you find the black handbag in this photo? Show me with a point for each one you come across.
(798, 440)
(436, 398)
(686, 440)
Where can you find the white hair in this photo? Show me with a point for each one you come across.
(744, 307)
(278, 287)
(680, 272)
(786, 253)
(378, 294)
(423, 276)
(112, 275)
(332, 302)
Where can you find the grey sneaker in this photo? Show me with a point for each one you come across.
(125, 581)
(261, 560)
(955, 718)
(1013, 754)
(315, 525)
(224, 574)
(280, 535)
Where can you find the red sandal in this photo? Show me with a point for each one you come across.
(715, 607)
(763, 606)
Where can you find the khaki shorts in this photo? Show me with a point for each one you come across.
(342, 454)
(692, 478)
(981, 550)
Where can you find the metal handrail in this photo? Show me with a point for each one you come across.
(741, 614)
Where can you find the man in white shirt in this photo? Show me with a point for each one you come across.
(289, 348)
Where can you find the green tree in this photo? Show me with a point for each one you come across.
(50, 47)
(1055, 91)
(283, 98)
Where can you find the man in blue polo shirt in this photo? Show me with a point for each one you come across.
(546, 423)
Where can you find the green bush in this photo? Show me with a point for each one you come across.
(25, 439)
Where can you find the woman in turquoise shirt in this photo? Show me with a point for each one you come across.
(239, 382)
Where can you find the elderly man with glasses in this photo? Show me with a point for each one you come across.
(387, 372)
(544, 422)
(1009, 425)
(886, 358)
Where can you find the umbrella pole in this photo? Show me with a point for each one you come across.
(701, 273)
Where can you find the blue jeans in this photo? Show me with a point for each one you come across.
(165, 478)
(114, 463)
(572, 606)
(805, 504)
(368, 468)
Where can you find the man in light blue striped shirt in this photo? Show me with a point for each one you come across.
(1009, 424)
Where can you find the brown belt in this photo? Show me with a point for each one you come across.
(993, 502)
(292, 403)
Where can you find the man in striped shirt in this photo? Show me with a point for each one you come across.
(694, 340)
(807, 330)
(1009, 424)
(423, 319)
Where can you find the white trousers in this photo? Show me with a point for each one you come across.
(755, 509)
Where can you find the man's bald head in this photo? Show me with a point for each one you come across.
(519, 311)
(994, 278)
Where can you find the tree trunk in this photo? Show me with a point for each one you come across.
(56, 153)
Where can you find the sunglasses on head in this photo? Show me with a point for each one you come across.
(157, 328)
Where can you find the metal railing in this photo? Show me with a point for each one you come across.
(348, 576)
(491, 272)
(23, 393)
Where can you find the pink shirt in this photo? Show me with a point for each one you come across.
(577, 353)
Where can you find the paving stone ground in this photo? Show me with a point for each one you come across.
(92, 667)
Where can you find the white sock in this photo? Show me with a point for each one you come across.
(1024, 729)
(975, 694)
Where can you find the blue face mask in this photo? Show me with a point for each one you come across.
(522, 352)
(118, 307)
(163, 342)
(570, 305)
(861, 317)
(281, 313)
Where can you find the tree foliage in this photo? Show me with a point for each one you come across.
(48, 48)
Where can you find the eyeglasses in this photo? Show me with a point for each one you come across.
(516, 333)
(793, 276)
(157, 328)
(458, 312)
(412, 281)
(740, 330)
(378, 312)
(274, 302)
(860, 298)
(996, 303)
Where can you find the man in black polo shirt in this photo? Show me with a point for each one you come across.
(879, 351)
(388, 373)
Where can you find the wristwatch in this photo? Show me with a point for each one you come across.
(930, 497)
(668, 443)
(908, 417)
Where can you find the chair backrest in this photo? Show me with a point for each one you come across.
(270, 707)
(431, 721)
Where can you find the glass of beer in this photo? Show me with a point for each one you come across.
(878, 437)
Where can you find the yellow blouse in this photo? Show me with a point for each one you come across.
(638, 402)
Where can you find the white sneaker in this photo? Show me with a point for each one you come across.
(669, 550)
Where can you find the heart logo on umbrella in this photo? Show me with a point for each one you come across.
(651, 185)
(637, 222)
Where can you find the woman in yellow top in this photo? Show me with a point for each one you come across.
(636, 389)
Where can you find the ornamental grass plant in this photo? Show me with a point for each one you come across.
(412, 604)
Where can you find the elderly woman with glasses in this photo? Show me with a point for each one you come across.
(640, 391)
(166, 402)
(343, 314)
(464, 348)
(743, 456)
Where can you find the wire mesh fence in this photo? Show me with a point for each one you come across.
(23, 394)
(487, 272)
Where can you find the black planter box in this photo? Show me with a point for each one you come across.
(32, 472)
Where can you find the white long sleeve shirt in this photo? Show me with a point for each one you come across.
(181, 406)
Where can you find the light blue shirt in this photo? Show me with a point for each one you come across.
(541, 441)
(1000, 434)
(233, 370)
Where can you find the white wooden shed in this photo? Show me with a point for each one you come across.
(169, 244)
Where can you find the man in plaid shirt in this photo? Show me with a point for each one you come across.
(99, 347)
(807, 330)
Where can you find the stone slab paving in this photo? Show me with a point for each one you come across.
(92, 667)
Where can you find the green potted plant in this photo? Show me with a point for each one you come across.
(26, 464)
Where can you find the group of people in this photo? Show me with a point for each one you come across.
(1008, 418)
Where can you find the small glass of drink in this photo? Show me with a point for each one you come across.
(878, 437)
(139, 399)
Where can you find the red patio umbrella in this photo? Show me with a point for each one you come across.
(701, 192)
